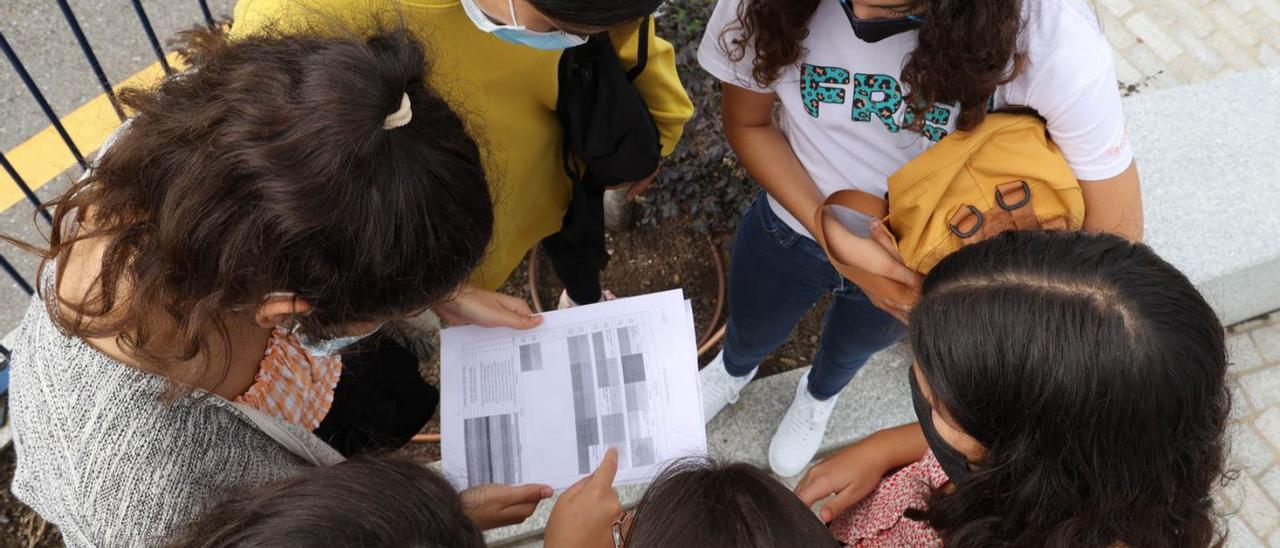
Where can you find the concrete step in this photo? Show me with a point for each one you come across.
(1211, 186)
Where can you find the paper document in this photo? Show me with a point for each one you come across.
(543, 405)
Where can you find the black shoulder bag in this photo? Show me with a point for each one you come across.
(610, 137)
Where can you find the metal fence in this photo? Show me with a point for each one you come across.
(92, 58)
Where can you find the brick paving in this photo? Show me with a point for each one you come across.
(1253, 500)
(1164, 43)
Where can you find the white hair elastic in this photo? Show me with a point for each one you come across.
(400, 118)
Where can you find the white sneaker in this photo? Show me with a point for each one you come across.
(719, 388)
(567, 303)
(798, 437)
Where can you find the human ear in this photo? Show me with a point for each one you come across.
(281, 310)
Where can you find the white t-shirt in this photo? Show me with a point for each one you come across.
(834, 101)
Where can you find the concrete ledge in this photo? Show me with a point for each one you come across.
(1211, 186)
(877, 398)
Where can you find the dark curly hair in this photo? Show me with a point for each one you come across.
(266, 167)
(1093, 374)
(949, 65)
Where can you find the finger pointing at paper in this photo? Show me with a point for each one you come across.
(513, 404)
(584, 515)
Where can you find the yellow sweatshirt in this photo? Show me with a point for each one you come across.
(507, 94)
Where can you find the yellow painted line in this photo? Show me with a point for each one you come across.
(44, 156)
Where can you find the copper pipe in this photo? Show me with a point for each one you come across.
(426, 438)
(720, 291)
(715, 339)
(708, 339)
(533, 279)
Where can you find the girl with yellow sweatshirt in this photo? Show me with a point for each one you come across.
(496, 61)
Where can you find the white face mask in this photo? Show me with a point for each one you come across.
(517, 34)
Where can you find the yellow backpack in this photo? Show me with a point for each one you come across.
(1003, 175)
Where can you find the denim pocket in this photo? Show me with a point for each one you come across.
(772, 225)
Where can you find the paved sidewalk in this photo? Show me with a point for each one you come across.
(1164, 43)
(44, 42)
(1254, 497)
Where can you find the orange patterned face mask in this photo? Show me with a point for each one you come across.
(293, 385)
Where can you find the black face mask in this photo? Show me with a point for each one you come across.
(875, 30)
(952, 460)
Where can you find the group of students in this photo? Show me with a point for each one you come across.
(207, 364)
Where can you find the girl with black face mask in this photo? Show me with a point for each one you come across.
(822, 96)
(1070, 390)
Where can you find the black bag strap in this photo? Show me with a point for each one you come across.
(642, 51)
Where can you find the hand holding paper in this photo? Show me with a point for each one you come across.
(544, 405)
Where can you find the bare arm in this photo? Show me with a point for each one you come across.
(854, 472)
(1115, 205)
(766, 154)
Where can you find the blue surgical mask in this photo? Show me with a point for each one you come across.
(323, 347)
(517, 34)
(328, 347)
(875, 30)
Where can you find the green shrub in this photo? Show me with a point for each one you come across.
(701, 183)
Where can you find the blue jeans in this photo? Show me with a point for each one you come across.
(775, 278)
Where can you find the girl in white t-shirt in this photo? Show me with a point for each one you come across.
(861, 87)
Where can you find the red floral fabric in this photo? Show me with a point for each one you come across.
(877, 521)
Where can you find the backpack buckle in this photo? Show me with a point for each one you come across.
(977, 225)
(1002, 189)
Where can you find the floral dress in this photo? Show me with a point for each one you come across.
(877, 521)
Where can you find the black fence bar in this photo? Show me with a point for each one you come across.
(17, 278)
(89, 55)
(26, 190)
(208, 15)
(151, 35)
(44, 104)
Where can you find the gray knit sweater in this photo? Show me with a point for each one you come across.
(102, 457)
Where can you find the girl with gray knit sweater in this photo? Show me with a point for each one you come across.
(261, 211)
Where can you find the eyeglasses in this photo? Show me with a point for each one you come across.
(618, 536)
